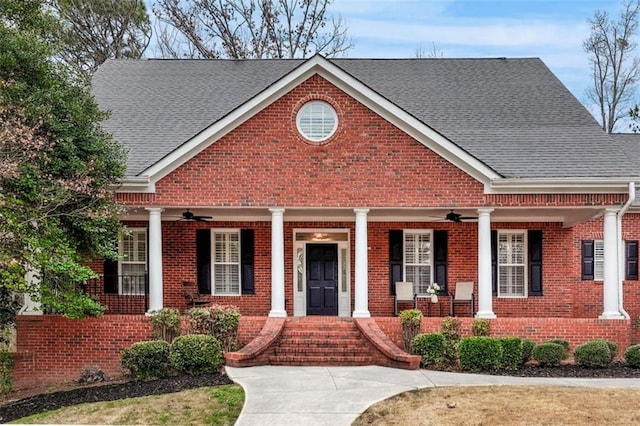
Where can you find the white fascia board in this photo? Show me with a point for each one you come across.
(319, 65)
(135, 184)
(605, 185)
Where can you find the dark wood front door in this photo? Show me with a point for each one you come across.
(322, 279)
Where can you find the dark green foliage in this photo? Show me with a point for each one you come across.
(613, 348)
(480, 353)
(411, 320)
(430, 346)
(632, 356)
(6, 370)
(594, 353)
(147, 360)
(481, 327)
(511, 353)
(450, 329)
(219, 321)
(562, 342)
(527, 349)
(166, 324)
(196, 354)
(548, 354)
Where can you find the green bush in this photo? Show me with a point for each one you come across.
(594, 353)
(196, 354)
(481, 327)
(430, 346)
(219, 321)
(511, 353)
(613, 348)
(147, 360)
(166, 324)
(480, 353)
(565, 345)
(548, 354)
(632, 356)
(450, 329)
(6, 369)
(527, 349)
(411, 320)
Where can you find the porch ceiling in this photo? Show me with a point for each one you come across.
(569, 216)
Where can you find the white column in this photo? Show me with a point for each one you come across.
(277, 263)
(361, 308)
(610, 286)
(485, 296)
(155, 258)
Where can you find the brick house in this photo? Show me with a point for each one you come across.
(301, 188)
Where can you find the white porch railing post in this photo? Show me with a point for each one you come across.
(485, 294)
(277, 263)
(361, 305)
(610, 284)
(155, 259)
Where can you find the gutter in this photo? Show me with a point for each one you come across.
(623, 210)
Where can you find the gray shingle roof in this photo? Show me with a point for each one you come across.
(512, 114)
(629, 143)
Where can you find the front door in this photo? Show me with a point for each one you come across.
(322, 279)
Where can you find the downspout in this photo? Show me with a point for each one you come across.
(623, 210)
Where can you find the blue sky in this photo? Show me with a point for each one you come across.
(550, 29)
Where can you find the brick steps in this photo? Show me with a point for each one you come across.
(320, 360)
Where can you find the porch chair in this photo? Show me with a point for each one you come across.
(464, 295)
(404, 293)
(193, 296)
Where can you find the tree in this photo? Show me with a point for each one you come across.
(56, 168)
(614, 70)
(434, 53)
(248, 29)
(92, 31)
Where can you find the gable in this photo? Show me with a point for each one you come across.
(368, 161)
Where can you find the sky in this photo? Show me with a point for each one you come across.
(552, 30)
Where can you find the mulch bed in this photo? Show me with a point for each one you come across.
(616, 370)
(109, 392)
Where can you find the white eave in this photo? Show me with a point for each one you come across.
(135, 184)
(605, 185)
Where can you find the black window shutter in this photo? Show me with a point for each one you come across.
(494, 262)
(247, 260)
(395, 259)
(535, 263)
(588, 255)
(110, 276)
(203, 260)
(631, 252)
(440, 259)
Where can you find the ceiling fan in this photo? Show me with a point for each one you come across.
(188, 215)
(457, 217)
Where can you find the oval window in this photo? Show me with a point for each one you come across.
(317, 121)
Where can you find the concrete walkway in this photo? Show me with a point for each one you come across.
(277, 396)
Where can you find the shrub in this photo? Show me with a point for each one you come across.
(411, 320)
(218, 321)
(450, 329)
(6, 369)
(147, 360)
(481, 327)
(196, 354)
(632, 356)
(527, 349)
(430, 346)
(594, 353)
(511, 353)
(548, 354)
(166, 324)
(613, 348)
(480, 353)
(565, 345)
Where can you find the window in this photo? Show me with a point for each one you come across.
(598, 260)
(512, 264)
(133, 267)
(317, 121)
(418, 260)
(226, 262)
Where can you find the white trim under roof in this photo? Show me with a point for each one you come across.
(604, 185)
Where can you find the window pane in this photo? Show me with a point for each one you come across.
(598, 260)
(511, 264)
(226, 268)
(227, 279)
(420, 276)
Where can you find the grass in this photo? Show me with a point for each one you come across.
(507, 405)
(219, 405)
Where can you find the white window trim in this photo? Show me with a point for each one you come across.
(525, 261)
(431, 258)
(122, 262)
(598, 259)
(310, 104)
(213, 260)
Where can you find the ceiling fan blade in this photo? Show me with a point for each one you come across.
(467, 217)
(202, 218)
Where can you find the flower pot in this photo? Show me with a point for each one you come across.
(434, 298)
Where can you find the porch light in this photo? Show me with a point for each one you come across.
(320, 236)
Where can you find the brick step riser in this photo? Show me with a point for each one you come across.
(320, 360)
(351, 328)
(321, 335)
(320, 342)
(323, 351)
